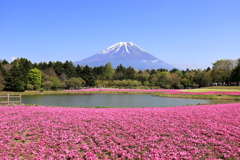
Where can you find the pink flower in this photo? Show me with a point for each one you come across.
(188, 132)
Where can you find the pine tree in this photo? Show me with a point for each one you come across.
(69, 69)
(79, 71)
(87, 76)
(130, 73)
(58, 67)
(120, 72)
(15, 80)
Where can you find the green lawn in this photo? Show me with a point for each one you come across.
(215, 89)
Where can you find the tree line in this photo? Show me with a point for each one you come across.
(22, 74)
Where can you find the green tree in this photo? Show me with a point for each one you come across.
(130, 82)
(3, 72)
(173, 80)
(58, 68)
(179, 73)
(79, 70)
(153, 71)
(87, 76)
(235, 74)
(16, 77)
(15, 80)
(49, 72)
(6, 68)
(98, 72)
(153, 79)
(222, 69)
(47, 85)
(50, 64)
(162, 70)
(162, 79)
(124, 83)
(30, 87)
(185, 82)
(56, 82)
(207, 78)
(63, 77)
(198, 78)
(142, 76)
(2, 81)
(43, 65)
(75, 82)
(4, 62)
(103, 83)
(174, 70)
(69, 69)
(35, 65)
(137, 83)
(120, 72)
(146, 83)
(35, 78)
(116, 83)
(130, 73)
(108, 71)
(189, 75)
(24, 65)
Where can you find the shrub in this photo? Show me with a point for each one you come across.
(29, 87)
(47, 85)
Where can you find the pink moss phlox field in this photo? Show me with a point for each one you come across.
(190, 132)
(164, 91)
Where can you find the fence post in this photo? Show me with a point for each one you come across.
(8, 99)
(20, 98)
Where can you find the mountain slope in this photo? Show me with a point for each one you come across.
(127, 54)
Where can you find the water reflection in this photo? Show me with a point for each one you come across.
(110, 100)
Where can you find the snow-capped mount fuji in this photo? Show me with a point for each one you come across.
(127, 54)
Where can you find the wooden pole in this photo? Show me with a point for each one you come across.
(8, 99)
(20, 98)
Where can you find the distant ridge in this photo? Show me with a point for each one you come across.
(127, 54)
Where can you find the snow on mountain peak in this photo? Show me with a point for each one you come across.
(116, 47)
(127, 54)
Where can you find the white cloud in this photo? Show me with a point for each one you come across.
(13, 58)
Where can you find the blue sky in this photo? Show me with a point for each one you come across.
(185, 33)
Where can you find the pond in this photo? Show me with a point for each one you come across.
(110, 100)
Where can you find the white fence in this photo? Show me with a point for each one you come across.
(10, 99)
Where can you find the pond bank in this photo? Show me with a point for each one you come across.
(172, 93)
(206, 93)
